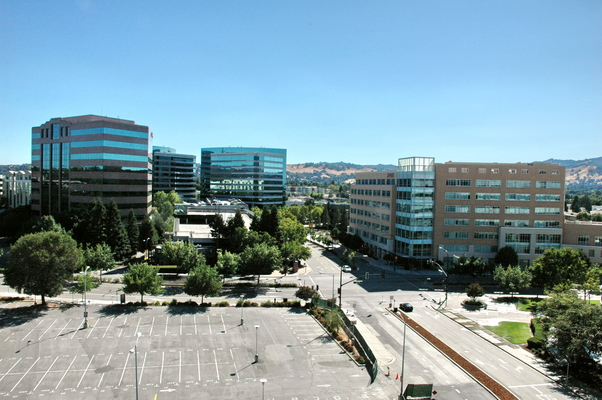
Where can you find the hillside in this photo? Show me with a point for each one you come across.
(582, 174)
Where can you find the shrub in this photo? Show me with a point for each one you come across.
(359, 359)
(222, 304)
(535, 343)
(165, 303)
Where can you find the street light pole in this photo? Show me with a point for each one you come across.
(85, 298)
(448, 256)
(135, 351)
(440, 268)
(341, 288)
(403, 360)
(242, 307)
(263, 381)
(256, 335)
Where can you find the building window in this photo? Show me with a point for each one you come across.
(457, 209)
(482, 170)
(542, 172)
(489, 183)
(524, 171)
(457, 248)
(486, 210)
(464, 170)
(517, 210)
(486, 235)
(547, 224)
(455, 235)
(458, 182)
(451, 170)
(457, 196)
(512, 171)
(583, 240)
(555, 172)
(548, 185)
(485, 249)
(488, 196)
(495, 170)
(486, 222)
(456, 222)
(518, 197)
(547, 210)
(521, 223)
(547, 197)
(598, 241)
(518, 184)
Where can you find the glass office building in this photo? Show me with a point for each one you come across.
(78, 159)
(173, 171)
(256, 176)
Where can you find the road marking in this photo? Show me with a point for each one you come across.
(198, 361)
(223, 324)
(181, 317)
(77, 329)
(209, 321)
(166, 320)
(180, 369)
(26, 372)
(103, 374)
(138, 325)
(67, 370)
(235, 369)
(108, 326)
(59, 334)
(47, 329)
(46, 373)
(152, 326)
(11, 368)
(25, 337)
(124, 367)
(162, 363)
(142, 370)
(93, 326)
(216, 369)
(86, 370)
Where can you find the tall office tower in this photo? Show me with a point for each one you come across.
(79, 159)
(256, 176)
(17, 188)
(173, 171)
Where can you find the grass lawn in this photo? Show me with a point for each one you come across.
(514, 332)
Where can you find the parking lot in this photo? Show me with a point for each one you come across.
(181, 352)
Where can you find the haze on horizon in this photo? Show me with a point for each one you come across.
(366, 83)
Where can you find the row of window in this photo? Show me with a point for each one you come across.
(496, 222)
(466, 170)
(463, 248)
(381, 181)
(370, 192)
(375, 215)
(498, 183)
(507, 210)
(373, 225)
(497, 196)
(378, 204)
(369, 235)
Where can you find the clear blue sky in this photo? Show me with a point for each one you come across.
(365, 82)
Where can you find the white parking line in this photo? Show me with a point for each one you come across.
(61, 331)
(25, 337)
(195, 327)
(47, 330)
(137, 326)
(11, 368)
(209, 321)
(108, 326)
(166, 321)
(152, 326)
(198, 361)
(103, 374)
(46, 373)
(93, 326)
(180, 369)
(86, 370)
(142, 370)
(124, 367)
(25, 374)
(216, 369)
(77, 329)
(235, 369)
(223, 323)
(67, 370)
(181, 320)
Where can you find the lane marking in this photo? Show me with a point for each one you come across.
(195, 327)
(47, 330)
(216, 369)
(198, 360)
(104, 373)
(108, 326)
(46, 373)
(31, 331)
(26, 372)
(79, 327)
(93, 326)
(235, 369)
(124, 367)
(11, 368)
(138, 325)
(86, 370)
(152, 326)
(61, 331)
(180, 369)
(142, 370)
(209, 321)
(162, 363)
(67, 370)
(166, 321)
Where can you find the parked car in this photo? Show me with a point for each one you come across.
(346, 268)
(406, 307)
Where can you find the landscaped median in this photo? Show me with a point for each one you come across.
(491, 384)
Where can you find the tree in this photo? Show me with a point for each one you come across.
(572, 325)
(556, 266)
(99, 257)
(227, 263)
(592, 281)
(306, 293)
(85, 283)
(512, 278)
(148, 234)
(269, 222)
(182, 254)
(575, 206)
(47, 224)
(94, 223)
(117, 237)
(475, 290)
(203, 281)
(506, 256)
(40, 263)
(133, 231)
(142, 278)
(260, 259)
(470, 266)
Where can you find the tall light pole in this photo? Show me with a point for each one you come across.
(440, 268)
(256, 335)
(242, 307)
(403, 360)
(135, 351)
(341, 287)
(448, 256)
(86, 298)
(263, 381)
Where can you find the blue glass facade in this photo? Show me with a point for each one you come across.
(256, 176)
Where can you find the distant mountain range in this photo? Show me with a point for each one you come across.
(580, 175)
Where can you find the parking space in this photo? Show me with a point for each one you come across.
(180, 352)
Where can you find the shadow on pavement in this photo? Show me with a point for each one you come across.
(185, 310)
(21, 315)
(120, 309)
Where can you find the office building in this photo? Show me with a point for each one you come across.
(79, 159)
(174, 171)
(257, 176)
(452, 209)
(16, 187)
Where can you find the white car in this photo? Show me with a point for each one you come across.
(346, 268)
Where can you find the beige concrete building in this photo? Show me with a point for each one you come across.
(452, 209)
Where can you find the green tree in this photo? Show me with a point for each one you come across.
(47, 224)
(557, 266)
(506, 256)
(117, 237)
(133, 231)
(148, 234)
(203, 281)
(571, 324)
(269, 222)
(84, 283)
(142, 278)
(475, 290)
(94, 223)
(471, 266)
(512, 278)
(227, 263)
(260, 259)
(592, 281)
(575, 206)
(40, 263)
(182, 254)
(306, 293)
(583, 216)
(99, 257)
(163, 205)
